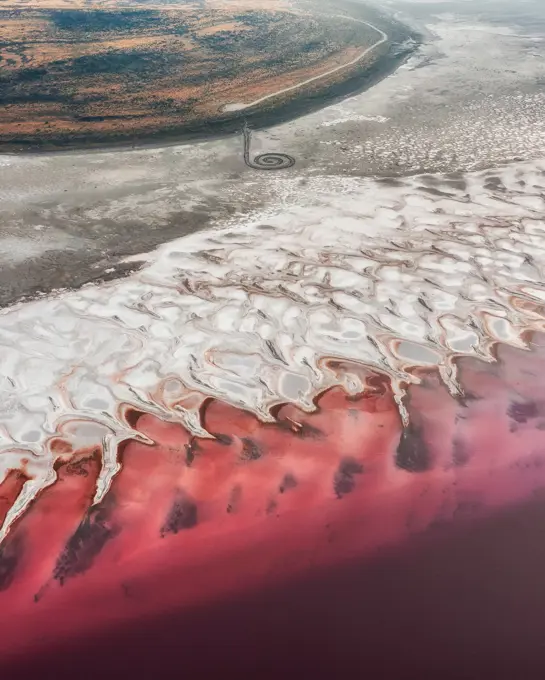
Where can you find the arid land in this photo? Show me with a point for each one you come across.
(78, 74)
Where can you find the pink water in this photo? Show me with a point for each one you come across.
(334, 543)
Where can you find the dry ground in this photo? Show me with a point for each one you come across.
(108, 71)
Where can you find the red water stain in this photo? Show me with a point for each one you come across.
(42, 534)
(191, 523)
(10, 489)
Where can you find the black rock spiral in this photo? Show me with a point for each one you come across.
(265, 161)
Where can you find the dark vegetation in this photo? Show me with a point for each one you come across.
(134, 62)
(85, 21)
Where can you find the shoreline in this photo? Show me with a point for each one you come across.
(240, 106)
(400, 48)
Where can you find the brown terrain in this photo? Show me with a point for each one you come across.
(77, 72)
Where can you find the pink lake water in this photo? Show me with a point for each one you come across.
(311, 445)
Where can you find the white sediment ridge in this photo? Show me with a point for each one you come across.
(389, 274)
